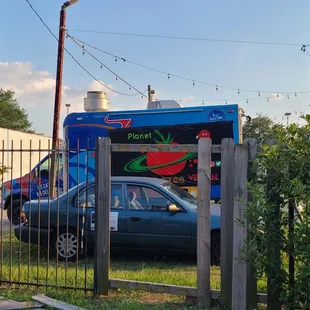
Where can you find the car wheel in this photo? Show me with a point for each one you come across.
(13, 211)
(67, 245)
(215, 248)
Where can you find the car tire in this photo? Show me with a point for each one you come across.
(66, 245)
(215, 248)
(13, 211)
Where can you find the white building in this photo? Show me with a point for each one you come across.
(15, 151)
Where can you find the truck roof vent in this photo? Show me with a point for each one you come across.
(163, 104)
(96, 101)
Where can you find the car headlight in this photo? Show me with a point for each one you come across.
(23, 217)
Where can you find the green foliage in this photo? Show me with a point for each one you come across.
(3, 169)
(12, 116)
(283, 177)
(260, 128)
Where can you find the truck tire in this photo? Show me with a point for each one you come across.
(13, 211)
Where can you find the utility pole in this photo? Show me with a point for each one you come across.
(150, 93)
(58, 94)
(287, 114)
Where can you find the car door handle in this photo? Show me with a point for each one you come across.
(135, 219)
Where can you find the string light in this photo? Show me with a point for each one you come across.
(115, 74)
(217, 86)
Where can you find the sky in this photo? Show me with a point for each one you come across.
(28, 54)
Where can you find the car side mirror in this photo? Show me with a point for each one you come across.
(173, 208)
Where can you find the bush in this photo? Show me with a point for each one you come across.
(282, 179)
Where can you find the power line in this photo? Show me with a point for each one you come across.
(81, 66)
(187, 38)
(82, 44)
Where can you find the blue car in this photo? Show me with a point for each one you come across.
(147, 214)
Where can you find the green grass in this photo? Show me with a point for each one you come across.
(169, 270)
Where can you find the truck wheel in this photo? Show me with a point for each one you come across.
(13, 211)
(216, 248)
(67, 245)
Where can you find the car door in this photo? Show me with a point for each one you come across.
(117, 215)
(151, 225)
(175, 226)
(144, 229)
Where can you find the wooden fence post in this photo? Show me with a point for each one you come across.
(274, 255)
(239, 281)
(102, 216)
(203, 223)
(251, 271)
(227, 212)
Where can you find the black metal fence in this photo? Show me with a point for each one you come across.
(46, 240)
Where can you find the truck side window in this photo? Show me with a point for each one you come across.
(46, 166)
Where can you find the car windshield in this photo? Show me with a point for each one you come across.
(180, 193)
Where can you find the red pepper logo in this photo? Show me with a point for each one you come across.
(204, 134)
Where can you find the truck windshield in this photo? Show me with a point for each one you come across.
(180, 193)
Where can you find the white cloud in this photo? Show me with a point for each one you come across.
(99, 86)
(35, 91)
(188, 98)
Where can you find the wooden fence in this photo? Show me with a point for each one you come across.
(238, 281)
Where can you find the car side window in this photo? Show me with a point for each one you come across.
(86, 197)
(117, 200)
(146, 199)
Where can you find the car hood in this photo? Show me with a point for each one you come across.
(35, 204)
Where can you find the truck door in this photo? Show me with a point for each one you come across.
(40, 184)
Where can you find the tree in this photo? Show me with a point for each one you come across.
(278, 215)
(12, 116)
(3, 169)
(260, 128)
